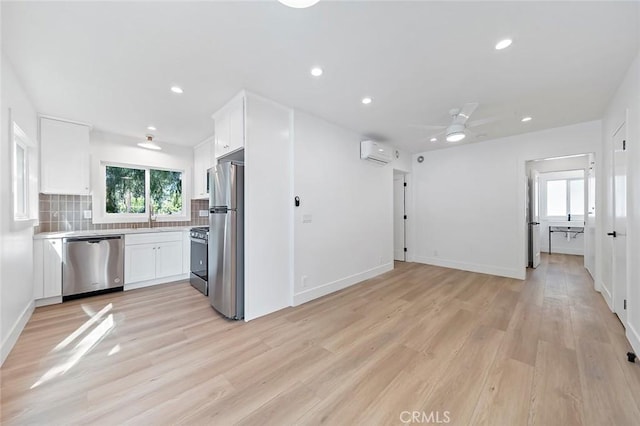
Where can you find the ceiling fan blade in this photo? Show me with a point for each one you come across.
(427, 126)
(465, 112)
(482, 121)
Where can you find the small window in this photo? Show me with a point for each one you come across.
(565, 197)
(20, 175)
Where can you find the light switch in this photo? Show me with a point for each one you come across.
(307, 218)
(86, 214)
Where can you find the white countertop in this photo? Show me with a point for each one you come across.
(92, 233)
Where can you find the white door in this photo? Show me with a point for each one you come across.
(534, 218)
(620, 223)
(398, 218)
(590, 218)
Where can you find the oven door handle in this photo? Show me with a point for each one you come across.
(199, 241)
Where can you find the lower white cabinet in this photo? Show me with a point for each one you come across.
(153, 257)
(47, 263)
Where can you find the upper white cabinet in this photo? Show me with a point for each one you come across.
(229, 125)
(64, 157)
(203, 160)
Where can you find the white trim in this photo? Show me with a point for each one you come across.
(48, 301)
(328, 288)
(156, 281)
(633, 337)
(64, 120)
(564, 250)
(11, 338)
(517, 273)
(606, 294)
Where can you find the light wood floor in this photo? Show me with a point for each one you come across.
(486, 350)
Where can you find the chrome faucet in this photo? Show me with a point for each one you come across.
(151, 217)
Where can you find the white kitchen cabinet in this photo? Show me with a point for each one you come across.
(64, 157)
(151, 258)
(203, 160)
(229, 127)
(47, 263)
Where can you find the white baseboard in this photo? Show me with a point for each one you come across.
(11, 339)
(633, 337)
(324, 289)
(517, 273)
(565, 250)
(166, 280)
(606, 294)
(48, 301)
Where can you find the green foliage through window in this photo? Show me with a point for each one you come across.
(166, 191)
(126, 190)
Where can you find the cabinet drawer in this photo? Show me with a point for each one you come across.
(151, 238)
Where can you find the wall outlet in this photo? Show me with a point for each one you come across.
(304, 281)
(203, 213)
(86, 214)
(381, 260)
(307, 218)
(435, 253)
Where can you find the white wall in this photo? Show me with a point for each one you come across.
(625, 106)
(268, 207)
(470, 200)
(16, 261)
(349, 205)
(118, 149)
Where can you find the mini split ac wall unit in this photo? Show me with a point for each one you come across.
(376, 152)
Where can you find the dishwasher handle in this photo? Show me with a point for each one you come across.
(92, 240)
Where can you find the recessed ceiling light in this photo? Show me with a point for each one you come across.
(525, 119)
(176, 89)
(316, 71)
(433, 140)
(367, 100)
(151, 128)
(503, 44)
(299, 4)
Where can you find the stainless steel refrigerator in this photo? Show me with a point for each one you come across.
(226, 239)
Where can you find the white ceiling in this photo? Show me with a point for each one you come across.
(112, 63)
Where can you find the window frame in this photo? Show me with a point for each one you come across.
(567, 180)
(20, 141)
(105, 217)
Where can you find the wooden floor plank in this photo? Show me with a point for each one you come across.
(487, 350)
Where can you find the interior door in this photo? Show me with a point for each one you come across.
(398, 218)
(620, 223)
(534, 219)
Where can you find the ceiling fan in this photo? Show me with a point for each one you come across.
(459, 127)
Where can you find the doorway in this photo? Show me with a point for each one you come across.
(560, 208)
(399, 216)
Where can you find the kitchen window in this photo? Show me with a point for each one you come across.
(131, 192)
(20, 169)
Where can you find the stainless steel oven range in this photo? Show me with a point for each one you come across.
(199, 259)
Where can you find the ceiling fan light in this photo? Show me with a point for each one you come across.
(299, 4)
(455, 133)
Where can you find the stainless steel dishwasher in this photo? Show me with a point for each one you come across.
(92, 265)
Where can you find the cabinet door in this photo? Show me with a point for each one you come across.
(202, 155)
(236, 124)
(38, 269)
(140, 263)
(169, 259)
(52, 268)
(64, 159)
(222, 133)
